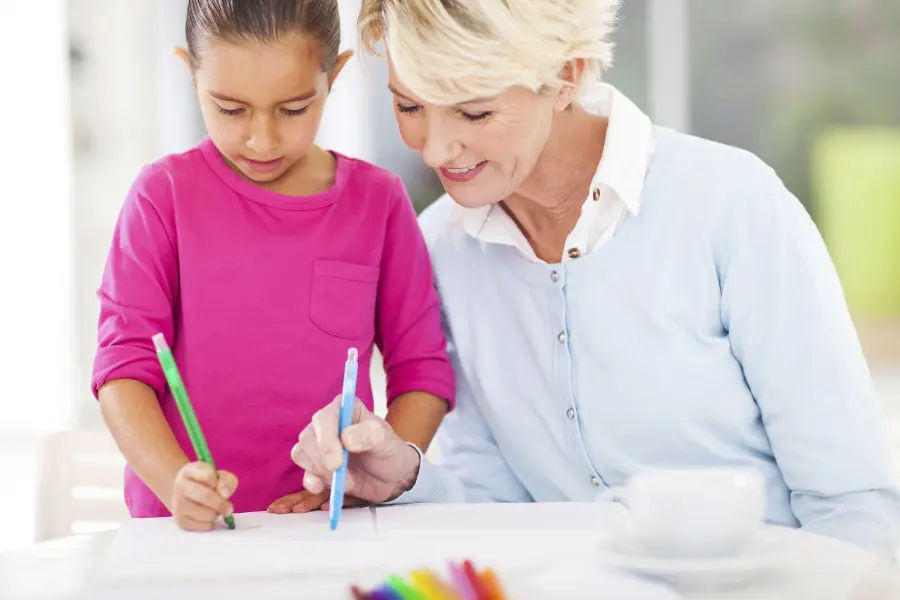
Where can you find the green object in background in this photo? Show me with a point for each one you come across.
(856, 187)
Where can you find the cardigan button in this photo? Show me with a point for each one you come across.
(596, 194)
(574, 253)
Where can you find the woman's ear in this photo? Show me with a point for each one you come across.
(572, 75)
(339, 64)
(183, 54)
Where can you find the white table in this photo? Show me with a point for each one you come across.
(822, 569)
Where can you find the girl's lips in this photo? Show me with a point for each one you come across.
(263, 166)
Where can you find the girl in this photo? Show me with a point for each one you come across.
(262, 258)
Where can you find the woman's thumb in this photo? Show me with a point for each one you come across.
(364, 436)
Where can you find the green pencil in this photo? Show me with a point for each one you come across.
(173, 377)
(403, 589)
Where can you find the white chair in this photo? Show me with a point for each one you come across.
(79, 485)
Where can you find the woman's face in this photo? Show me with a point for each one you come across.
(482, 150)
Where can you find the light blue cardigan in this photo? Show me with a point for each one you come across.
(711, 330)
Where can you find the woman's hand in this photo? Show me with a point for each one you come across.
(306, 501)
(381, 466)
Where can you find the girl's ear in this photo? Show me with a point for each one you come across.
(342, 60)
(182, 53)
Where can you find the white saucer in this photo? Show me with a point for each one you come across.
(760, 560)
(582, 580)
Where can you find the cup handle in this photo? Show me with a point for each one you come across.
(616, 493)
(616, 522)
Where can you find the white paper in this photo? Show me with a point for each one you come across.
(558, 583)
(511, 537)
(584, 580)
(482, 522)
(369, 543)
(263, 589)
(355, 524)
(261, 545)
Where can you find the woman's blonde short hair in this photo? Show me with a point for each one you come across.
(451, 51)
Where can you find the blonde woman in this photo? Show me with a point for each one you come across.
(619, 297)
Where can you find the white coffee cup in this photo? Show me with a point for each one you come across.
(691, 512)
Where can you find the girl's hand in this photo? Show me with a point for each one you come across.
(306, 501)
(200, 496)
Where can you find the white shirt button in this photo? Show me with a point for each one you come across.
(554, 276)
(562, 337)
(570, 413)
(595, 482)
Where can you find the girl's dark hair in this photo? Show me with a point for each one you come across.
(264, 21)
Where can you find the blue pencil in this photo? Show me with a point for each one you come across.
(348, 398)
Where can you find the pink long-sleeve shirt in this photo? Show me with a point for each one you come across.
(260, 296)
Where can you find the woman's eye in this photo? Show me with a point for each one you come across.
(474, 118)
(407, 109)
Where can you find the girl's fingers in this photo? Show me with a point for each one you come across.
(226, 484)
(194, 511)
(310, 502)
(349, 502)
(199, 472)
(284, 505)
(188, 523)
(207, 497)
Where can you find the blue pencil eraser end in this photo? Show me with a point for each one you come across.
(333, 524)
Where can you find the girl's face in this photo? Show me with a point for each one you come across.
(262, 102)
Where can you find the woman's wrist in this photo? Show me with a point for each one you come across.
(411, 458)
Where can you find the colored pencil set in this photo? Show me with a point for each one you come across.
(466, 583)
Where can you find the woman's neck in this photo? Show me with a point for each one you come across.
(547, 205)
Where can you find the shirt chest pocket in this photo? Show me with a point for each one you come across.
(342, 299)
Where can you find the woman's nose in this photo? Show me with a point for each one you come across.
(440, 146)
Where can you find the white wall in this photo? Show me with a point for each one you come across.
(132, 102)
(345, 122)
(36, 251)
(668, 45)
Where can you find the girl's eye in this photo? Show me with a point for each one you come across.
(294, 112)
(231, 112)
(476, 118)
(407, 110)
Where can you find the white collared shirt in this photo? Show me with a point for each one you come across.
(615, 189)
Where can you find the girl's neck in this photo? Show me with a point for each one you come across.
(311, 175)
